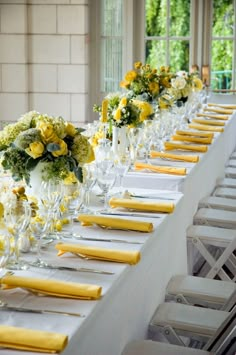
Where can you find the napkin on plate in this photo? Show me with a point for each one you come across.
(120, 256)
(204, 127)
(195, 134)
(201, 140)
(116, 223)
(209, 122)
(233, 107)
(175, 145)
(52, 287)
(180, 157)
(32, 340)
(142, 205)
(216, 117)
(160, 169)
(219, 110)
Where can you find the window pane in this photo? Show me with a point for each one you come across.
(112, 19)
(111, 68)
(179, 55)
(179, 17)
(221, 65)
(223, 18)
(156, 53)
(156, 14)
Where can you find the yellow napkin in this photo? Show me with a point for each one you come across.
(116, 223)
(217, 117)
(175, 145)
(52, 287)
(32, 340)
(204, 127)
(219, 110)
(142, 205)
(202, 140)
(233, 107)
(195, 134)
(120, 256)
(210, 122)
(187, 158)
(160, 169)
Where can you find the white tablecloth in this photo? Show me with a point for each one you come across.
(131, 295)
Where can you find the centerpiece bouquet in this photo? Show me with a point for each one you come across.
(39, 138)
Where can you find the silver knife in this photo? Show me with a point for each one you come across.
(129, 214)
(38, 311)
(68, 268)
(152, 197)
(110, 240)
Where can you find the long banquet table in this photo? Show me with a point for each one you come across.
(131, 295)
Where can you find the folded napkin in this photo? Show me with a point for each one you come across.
(187, 158)
(233, 107)
(209, 122)
(32, 340)
(201, 140)
(116, 223)
(195, 134)
(219, 110)
(204, 127)
(160, 169)
(175, 145)
(142, 205)
(52, 287)
(216, 117)
(120, 256)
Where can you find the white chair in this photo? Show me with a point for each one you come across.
(226, 182)
(220, 203)
(226, 192)
(216, 218)
(231, 163)
(233, 155)
(200, 291)
(178, 322)
(215, 247)
(230, 172)
(221, 343)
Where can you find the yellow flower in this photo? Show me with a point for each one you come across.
(70, 129)
(47, 132)
(123, 102)
(91, 155)
(154, 87)
(117, 114)
(197, 84)
(70, 179)
(137, 65)
(124, 84)
(130, 76)
(165, 82)
(1, 210)
(63, 148)
(35, 150)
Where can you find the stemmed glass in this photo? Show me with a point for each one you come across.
(89, 180)
(4, 249)
(17, 218)
(135, 137)
(106, 176)
(122, 163)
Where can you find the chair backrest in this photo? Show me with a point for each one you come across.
(224, 340)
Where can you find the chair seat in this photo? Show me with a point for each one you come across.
(230, 172)
(200, 288)
(231, 163)
(227, 182)
(233, 155)
(149, 347)
(192, 319)
(214, 217)
(225, 192)
(221, 203)
(219, 237)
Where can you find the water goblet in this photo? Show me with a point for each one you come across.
(106, 176)
(122, 163)
(4, 249)
(135, 138)
(89, 180)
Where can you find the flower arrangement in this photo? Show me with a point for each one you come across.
(36, 138)
(124, 111)
(183, 84)
(146, 83)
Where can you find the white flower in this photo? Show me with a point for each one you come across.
(178, 83)
(182, 73)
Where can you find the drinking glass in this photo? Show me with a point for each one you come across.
(106, 176)
(135, 137)
(4, 249)
(17, 218)
(89, 180)
(122, 164)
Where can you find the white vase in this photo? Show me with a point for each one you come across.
(119, 140)
(33, 189)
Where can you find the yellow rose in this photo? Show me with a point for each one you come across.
(35, 150)
(91, 155)
(63, 148)
(117, 115)
(70, 179)
(197, 84)
(123, 102)
(154, 87)
(124, 84)
(47, 132)
(137, 65)
(70, 129)
(130, 76)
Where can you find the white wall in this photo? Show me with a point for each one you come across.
(44, 58)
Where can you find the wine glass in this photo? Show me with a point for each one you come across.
(89, 180)
(135, 138)
(106, 176)
(17, 218)
(4, 249)
(122, 163)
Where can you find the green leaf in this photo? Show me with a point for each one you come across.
(79, 173)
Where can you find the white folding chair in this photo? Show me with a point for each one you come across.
(215, 247)
(220, 203)
(178, 322)
(226, 182)
(226, 192)
(230, 172)
(200, 291)
(222, 343)
(233, 155)
(231, 163)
